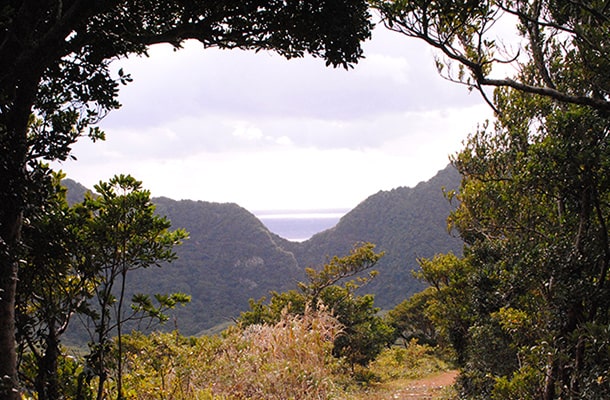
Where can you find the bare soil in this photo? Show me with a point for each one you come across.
(426, 388)
(430, 387)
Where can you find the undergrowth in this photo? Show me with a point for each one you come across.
(407, 362)
(291, 359)
(288, 360)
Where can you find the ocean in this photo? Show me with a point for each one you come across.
(298, 226)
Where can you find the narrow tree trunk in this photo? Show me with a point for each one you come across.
(8, 358)
(100, 362)
(47, 384)
(120, 333)
(579, 352)
(102, 341)
(13, 150)
(550, 379)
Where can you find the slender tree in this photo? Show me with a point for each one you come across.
(54, 59)
(530, 297)
(54, 284)
(124, 235)
(365, 333)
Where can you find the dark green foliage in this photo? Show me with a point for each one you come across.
(534, 199)
(55, 284)
(76, 263)
(411, 319)
(55, 57)
(123, 235)
(526, 306)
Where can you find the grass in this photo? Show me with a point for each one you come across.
(288, 360)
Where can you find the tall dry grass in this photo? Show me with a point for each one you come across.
(289, 360)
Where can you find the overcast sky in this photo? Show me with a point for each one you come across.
(267, 133)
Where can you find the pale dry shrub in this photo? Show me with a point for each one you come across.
(288, 360)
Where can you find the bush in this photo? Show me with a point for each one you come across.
(407, 362)
(288, 360)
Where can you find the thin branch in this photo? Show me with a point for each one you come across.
(598, 104)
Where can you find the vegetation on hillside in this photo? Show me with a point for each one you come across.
(103, 240)
(320, 342)
(405, 223)
(231, 257)
(56, 85)
(364, 333)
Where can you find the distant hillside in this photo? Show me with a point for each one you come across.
(406, 223)
(76, 191)
(232, 257)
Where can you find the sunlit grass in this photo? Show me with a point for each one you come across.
(288, 360)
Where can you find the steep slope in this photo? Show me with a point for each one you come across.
(76, 191)
(229, 258)
(405, 223)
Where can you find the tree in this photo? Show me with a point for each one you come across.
(557, 35)
(96, 244)
(364, 334)
(411, 320)
(444, 304)
(532, 292)
(54, 284)
(124, 235)
(55, 58)
(533, 202)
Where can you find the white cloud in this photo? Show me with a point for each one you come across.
(264, 132)
(247, 132)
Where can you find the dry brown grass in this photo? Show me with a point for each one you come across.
(289, 360)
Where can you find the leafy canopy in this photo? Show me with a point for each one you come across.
(55, 83)
(530, 297)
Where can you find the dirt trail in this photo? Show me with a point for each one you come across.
(426, 388)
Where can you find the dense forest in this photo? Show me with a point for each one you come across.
(522, 310)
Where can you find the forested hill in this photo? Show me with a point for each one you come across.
(229, 258)
(232, 257)
(406, 223)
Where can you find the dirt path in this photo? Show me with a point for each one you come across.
(426, 388)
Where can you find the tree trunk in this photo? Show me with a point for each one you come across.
(119, 377)
(47, 384)
(550, 379)
(10, 236)
(8, 358)
(13, 186)
(12, 183)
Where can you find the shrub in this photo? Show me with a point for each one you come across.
(411, 361)
(290, 359)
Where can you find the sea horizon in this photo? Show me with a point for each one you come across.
(300, 225)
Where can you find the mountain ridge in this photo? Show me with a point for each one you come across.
(232, 257)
